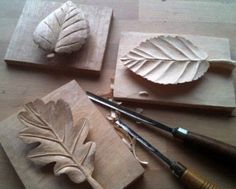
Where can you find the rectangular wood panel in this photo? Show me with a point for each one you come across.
(23, 51)
(214, 90)
(115, 166)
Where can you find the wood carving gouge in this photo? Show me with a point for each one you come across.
(221, 149)
(187, 177)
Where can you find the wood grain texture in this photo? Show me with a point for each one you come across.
(167, 59)
(9, 178)
(127, 85)
(88, 59)
(115, 165)
(19, 86)
(187, 11)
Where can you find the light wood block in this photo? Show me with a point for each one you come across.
(214, 90)
(23, 51)
(187, 11)
(115, 166)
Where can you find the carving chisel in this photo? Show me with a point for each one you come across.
(221, 149)
(187, 177)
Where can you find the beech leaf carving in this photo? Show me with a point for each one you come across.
(51, 125)
(167, 60)
(63, 31)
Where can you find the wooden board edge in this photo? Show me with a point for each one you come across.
(69, 70)
(177, 105)
(107, 36)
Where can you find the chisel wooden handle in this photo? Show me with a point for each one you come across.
(195, 181)
(191, 179)
(209, 144)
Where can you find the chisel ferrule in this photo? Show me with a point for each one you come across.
(180, 132)
(177, 169)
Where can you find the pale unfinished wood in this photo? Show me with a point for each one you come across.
(61, 140)
(167, 59)
(187, 11)
(214, 90)
(88, 59)
(115, 165)
(63, 31)
(20, 86)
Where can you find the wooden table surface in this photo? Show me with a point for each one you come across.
(210, 17)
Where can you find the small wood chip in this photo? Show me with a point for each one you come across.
(143, 93)
(51, 56)
(113, 116)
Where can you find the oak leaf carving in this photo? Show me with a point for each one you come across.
(167, 60)
(61, 142)
(63, 31)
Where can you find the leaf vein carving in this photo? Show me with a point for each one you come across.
(182, 72)
(142, 51)
(80, 29)
(62, 10)
(71, 10)
(33, 122)
(161, 49)
(49, 154)
(50, 28)
(70, 17)
(198, 65)
(65, 45)
(77, 138)
(153, 68)
(170, 64)
(58, 22)
(45, 39)
(173, 46)
(188, 46)
(40, 137)
(76, 21)
(86, 154)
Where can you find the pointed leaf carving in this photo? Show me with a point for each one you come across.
(51, 125)
(167, 60)
(63, 31)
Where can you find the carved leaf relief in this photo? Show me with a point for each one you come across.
(167, 60)
(63, 31)
(51, 125)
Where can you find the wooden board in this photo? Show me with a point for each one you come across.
(115, 166)
(214, 90)
(187, 11)
(24, 52)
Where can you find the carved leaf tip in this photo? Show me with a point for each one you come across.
(51, 125)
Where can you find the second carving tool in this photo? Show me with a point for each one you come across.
(187, 177)
(221, 149)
